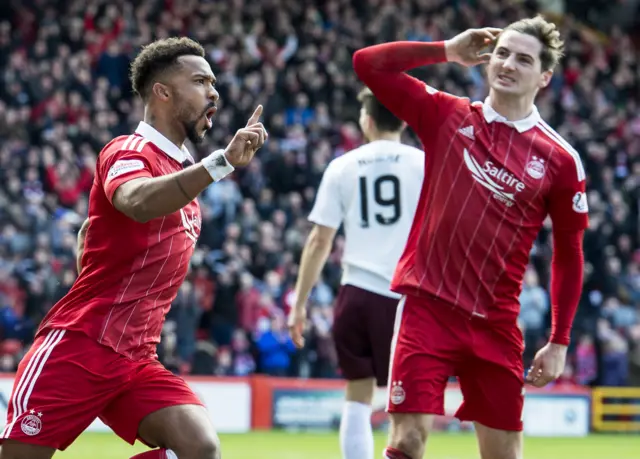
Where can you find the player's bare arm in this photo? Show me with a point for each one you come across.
(143, 199)
(82, 234)
(314, 255)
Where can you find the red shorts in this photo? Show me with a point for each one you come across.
(67, 380)
(433, 341)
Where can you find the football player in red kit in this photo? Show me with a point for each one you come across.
(95, 352)
(494, 170)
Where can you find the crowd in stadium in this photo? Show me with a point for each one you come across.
(64, 93)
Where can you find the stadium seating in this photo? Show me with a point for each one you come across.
(64, 93)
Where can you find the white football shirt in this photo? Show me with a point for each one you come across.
(373, 190)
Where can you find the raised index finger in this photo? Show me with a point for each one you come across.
(256, 116)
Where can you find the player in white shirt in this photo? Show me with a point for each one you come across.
(373, 191)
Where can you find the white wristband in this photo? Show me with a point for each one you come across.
(217, 165)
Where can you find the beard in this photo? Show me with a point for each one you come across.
(191, 130)
(191, 127)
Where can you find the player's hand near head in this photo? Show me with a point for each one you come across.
(296, 322)
(247, 141)
(548, 365)
(467, 47)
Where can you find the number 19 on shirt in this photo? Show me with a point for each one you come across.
(386, 194)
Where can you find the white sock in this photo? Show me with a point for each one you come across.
(356, 434)
(171, 455)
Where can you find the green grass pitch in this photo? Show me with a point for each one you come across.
(282, 445)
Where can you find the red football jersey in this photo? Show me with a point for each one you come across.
(489, 185)
(131, 271)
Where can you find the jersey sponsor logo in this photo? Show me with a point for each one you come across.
(190, 225)
(124, 166)
(397, 394)
(535, 168)
(494, 179)
(467, 132)
(580, 203)
(31, 424)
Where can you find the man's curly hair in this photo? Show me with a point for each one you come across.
(157, 58)
(549, 36)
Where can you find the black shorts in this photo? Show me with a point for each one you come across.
(362, 333)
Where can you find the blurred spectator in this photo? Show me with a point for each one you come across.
(534, 305)
(275, 348)
(243, 362)
(224, 315)
(324, 362)
(615, 355)
(186, 313)
(586, 361)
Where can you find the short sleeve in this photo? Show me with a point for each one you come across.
(327, 209)
(567, 203)
(119, 168)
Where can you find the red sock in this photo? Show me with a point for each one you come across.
(392, 453)
(153, 454)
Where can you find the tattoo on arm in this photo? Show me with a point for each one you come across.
(182, 188)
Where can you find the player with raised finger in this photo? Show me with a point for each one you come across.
(95, 351)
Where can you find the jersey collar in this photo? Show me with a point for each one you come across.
(169, 148)
(490, 115)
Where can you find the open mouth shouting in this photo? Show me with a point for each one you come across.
(208, 116)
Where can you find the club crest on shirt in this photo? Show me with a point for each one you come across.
(535, 168)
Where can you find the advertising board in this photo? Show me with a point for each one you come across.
(312, 405)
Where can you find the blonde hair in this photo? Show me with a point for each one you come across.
(548, 35)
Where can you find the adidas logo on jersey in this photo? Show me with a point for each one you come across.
(467, 132)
